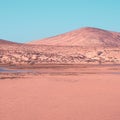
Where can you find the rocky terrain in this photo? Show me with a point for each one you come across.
(85, 37)
(84, 46)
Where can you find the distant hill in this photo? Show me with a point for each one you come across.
(6, 42)
(87, 36)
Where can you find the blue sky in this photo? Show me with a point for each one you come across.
(26, 20)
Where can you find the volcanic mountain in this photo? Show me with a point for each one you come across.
(87, 36)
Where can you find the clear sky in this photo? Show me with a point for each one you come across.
(26, 20)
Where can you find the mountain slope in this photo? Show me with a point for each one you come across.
(83, 37)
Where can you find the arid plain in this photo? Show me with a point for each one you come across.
(54, 81)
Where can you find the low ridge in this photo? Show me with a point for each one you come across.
(87, 36)
(6, 42)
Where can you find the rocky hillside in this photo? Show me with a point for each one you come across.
(84, 37)
(91, 46)
(31, 54)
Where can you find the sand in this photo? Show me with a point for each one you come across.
(61, 93)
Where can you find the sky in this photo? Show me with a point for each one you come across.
(27, 20)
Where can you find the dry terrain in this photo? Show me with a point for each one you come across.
(41, 54)
(85, 37)
(73, 76)
(82, 46)
(61, 92)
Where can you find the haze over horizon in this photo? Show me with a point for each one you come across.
(23, 21)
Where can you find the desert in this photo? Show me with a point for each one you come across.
(61, 92)
(72, 76)
(83, 46)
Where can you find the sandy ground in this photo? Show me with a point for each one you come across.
(61, 93)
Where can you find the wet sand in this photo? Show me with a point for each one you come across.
(61, 92)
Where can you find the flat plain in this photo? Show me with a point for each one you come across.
(60, 92)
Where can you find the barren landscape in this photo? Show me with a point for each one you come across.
(82, 46)
(73, 76)
(61, 92)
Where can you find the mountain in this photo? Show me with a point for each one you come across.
(87, 36)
